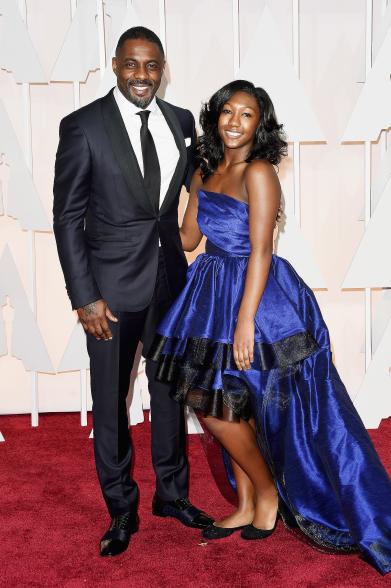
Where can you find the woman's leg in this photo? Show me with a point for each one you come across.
(244, 514)
(240, 441)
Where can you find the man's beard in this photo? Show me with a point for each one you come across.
(139, 101)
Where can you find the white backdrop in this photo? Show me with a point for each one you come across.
(327, 68)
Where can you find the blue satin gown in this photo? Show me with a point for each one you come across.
(331, 483)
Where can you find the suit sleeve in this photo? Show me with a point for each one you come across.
(71, 197)
(191, 155)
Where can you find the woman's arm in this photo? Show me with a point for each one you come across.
(264, 192)
(189, 231)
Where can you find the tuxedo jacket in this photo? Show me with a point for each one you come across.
(106, 227)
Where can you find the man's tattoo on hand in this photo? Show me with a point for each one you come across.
(90, 308)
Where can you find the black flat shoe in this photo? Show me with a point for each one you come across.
(215, 532)
(182, 510)
(117, 537)
(250, 532)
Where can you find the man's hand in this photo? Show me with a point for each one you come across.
(94, 317)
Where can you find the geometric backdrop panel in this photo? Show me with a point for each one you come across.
(17, 53)
(370, 266)
(3, 336)
(23, 201)
(373, 400)
(27, 343)
(75, 356)
(80, 52)
(372, 112)
(381, 317)
(291, 245)
(267, 65)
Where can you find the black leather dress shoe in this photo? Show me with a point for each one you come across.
(117, 537)
(182, 510)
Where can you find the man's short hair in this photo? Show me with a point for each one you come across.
(140, 33)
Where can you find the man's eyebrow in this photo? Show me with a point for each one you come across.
(135, 59)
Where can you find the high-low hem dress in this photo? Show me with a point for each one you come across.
(331, 483)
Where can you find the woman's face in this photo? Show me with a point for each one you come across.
(239, 120)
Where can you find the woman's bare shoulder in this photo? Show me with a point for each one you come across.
(261, 181)
(260, 170)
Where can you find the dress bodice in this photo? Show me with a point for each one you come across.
(224, 221)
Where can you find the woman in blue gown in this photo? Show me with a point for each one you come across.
(245, 344)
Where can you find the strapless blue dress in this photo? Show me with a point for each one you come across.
(331, 483)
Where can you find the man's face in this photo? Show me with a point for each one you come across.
(139, 67)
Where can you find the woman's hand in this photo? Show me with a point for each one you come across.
(244, 344)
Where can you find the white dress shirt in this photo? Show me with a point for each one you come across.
(166, 148)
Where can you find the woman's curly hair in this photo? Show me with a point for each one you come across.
(269, 142)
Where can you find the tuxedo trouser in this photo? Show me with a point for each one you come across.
(111, 364)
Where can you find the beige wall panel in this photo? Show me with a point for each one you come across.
(199, 49)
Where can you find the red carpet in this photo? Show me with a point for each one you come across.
(52, 516)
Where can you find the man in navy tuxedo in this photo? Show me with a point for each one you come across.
(120, 166)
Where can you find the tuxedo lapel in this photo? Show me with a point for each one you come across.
(177, 132)
(124, 153)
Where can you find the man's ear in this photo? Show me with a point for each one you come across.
(114, 65)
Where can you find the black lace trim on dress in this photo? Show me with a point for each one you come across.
(197, 351)
(192, 365)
